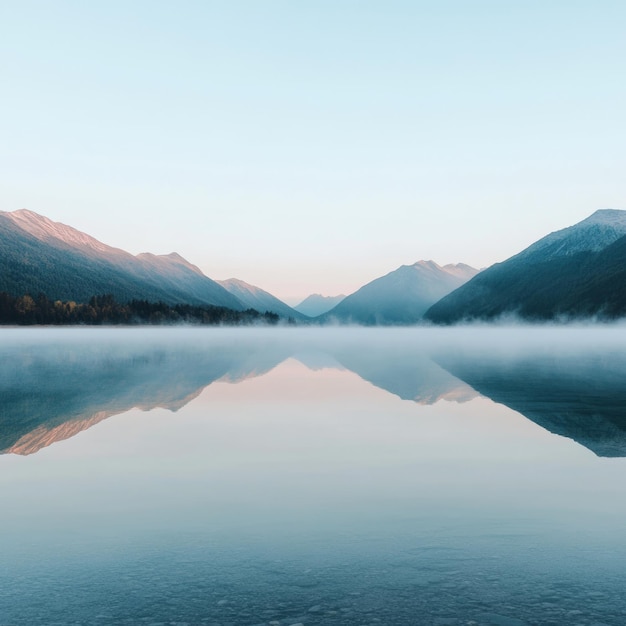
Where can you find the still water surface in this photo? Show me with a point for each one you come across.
(340, 476)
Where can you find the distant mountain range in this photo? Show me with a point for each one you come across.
(256, 298)
(316, 304)
(38, 255)
(577, 272)
(402, 296)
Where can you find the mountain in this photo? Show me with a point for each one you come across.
(316, 304)
(576, 272)
(38, 255)
(594, 233)
(256, 298)
(402, 296)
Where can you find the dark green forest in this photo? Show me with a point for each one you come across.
(105, 310)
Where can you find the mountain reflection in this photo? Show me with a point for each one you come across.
(579, 396)
(55, 392)
(53, 389)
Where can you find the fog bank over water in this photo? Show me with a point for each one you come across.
(58, 382)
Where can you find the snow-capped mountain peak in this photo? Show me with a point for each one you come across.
(611, 217)
(592, 234)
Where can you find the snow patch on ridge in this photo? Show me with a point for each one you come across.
(613, 217)
(593, 234)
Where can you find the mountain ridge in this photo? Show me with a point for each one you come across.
(38, 255)
(401, 296)
(572, 273)
(316, 304)
(594, 233)
(259, 299)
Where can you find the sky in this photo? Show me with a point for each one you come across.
(312, 146)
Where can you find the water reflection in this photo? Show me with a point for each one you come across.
(55, 384)
(582, 397)
(292, 491)
(55, 389)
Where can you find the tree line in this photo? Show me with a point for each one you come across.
(105, 310)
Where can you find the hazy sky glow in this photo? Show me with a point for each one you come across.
(312, 146)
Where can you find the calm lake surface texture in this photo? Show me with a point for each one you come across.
(324, 476)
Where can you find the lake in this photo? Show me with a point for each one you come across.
(241, 476)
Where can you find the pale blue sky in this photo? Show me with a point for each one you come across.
(312, 146)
